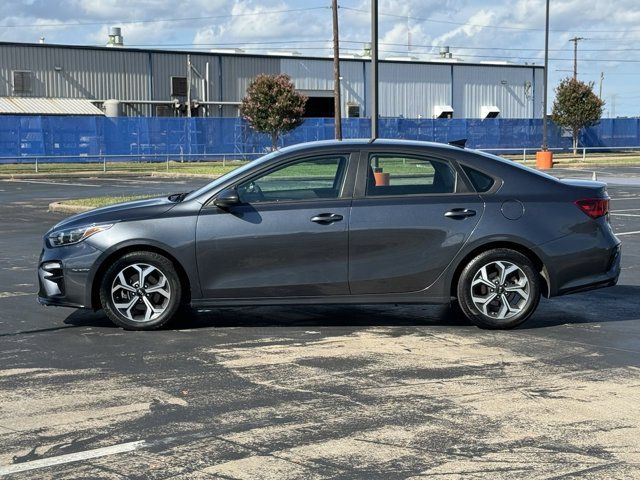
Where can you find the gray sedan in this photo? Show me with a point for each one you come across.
(343, 223)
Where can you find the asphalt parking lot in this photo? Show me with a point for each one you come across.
(314, 392)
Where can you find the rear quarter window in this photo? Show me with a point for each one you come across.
(480, 181)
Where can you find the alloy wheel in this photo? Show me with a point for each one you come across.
(500, 290)
(140, 292)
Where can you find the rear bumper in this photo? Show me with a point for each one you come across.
(607, 279)
(578, 266)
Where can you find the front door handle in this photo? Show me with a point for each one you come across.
(326, 218)
(460, 213)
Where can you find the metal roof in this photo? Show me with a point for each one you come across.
(47, 106)
(125, 48)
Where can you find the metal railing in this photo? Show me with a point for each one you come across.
(102, 161)
(565, 155)
(177, 161)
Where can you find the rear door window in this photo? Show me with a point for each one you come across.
(480, 181)
(397, 174)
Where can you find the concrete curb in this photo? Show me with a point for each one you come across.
(31, 176)
(61, 207)
(18, 176)
(185, 175)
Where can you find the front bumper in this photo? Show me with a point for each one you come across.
(64, 275)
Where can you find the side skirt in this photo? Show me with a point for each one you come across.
(327, 300)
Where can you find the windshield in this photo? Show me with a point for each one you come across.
(515, 164)
(227, 176)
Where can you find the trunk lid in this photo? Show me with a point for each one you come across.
(587, 188)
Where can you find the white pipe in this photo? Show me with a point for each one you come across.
(206, 92)
(188, 85)
(214, 102)
(149, 102)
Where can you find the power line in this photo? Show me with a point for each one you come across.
(292, 10)
(382, 50)
(361, 42)
(165, 20)
(502, 27)
(244, 46)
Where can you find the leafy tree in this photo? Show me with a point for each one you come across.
(576, 107)
(273, 106)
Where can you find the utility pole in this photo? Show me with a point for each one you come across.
(374, 69)
(337, 103)
(601, 80)
(575, 41)
(545, 144)
(612, 112)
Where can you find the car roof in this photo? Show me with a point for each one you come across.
(360, 142)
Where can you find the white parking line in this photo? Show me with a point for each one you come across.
(627, 233)
(626, 210)
(625, 214)
(52, 183)
(71, 457)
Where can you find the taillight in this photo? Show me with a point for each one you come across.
(594, 207)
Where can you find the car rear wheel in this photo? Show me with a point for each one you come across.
(141, 291)
(499, 289)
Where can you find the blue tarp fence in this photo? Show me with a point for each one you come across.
(74, 138)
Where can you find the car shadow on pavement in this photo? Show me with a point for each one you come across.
(614, 304)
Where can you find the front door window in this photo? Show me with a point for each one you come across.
(309, 179)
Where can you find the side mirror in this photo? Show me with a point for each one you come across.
(227, 198)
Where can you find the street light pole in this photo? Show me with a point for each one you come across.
(545, 145)
(374, 69)
(544, 157)
(337, 103)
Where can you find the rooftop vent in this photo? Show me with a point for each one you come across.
(445, 52)
(115, 37)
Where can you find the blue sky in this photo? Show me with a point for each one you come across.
(475, 31)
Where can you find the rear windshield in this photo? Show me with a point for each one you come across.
(516, 165)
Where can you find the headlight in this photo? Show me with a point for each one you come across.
(70, 236)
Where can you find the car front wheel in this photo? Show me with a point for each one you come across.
(141, 291)
(499, 289)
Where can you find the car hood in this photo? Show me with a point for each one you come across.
(128, 211)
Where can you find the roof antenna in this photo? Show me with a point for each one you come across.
(458, 143)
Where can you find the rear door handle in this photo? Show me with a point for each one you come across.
(326, 218)
(460, 213)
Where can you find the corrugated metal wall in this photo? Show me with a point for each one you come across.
(411, 90)
(317, 76)
(407, 89)
(508, 88)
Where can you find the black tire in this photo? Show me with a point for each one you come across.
(170, 306)
(526, 306)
